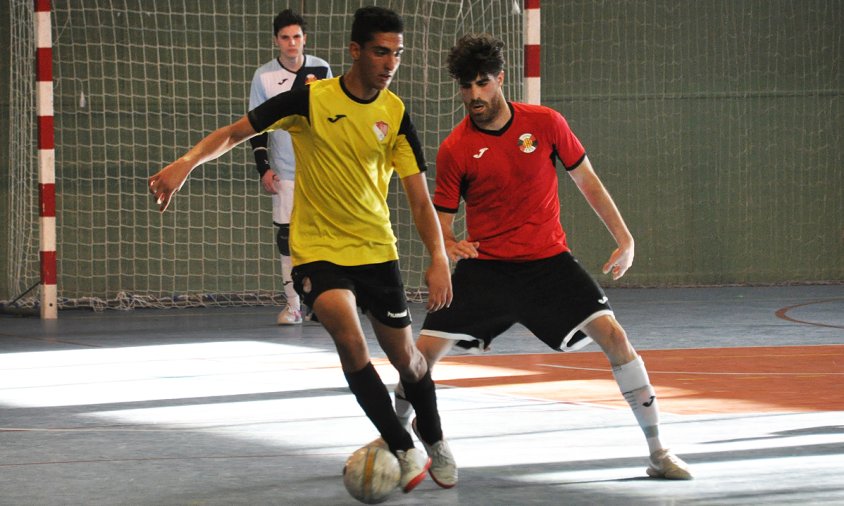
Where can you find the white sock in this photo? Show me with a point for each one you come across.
(289, 293)
(633, 381)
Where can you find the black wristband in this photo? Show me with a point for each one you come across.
(262, 161)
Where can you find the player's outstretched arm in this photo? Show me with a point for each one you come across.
(599, 199)
(438, 276)
(164, 184)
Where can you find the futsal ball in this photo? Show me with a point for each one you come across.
(371, 473)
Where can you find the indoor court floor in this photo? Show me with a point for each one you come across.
(219, 406)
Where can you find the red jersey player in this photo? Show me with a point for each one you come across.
(515, 266)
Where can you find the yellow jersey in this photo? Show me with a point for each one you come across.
(346, 151)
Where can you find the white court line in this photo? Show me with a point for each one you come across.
(757, 373)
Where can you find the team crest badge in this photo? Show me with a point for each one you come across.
(528, 143)
(381, 129)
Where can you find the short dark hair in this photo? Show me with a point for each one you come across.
(286, 18)
(474, 55)
(371, 20)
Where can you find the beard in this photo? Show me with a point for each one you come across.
(486, 115)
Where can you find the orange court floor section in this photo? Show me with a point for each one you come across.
(687, 381)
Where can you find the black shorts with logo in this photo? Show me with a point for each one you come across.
(378, 288)
(555, 298)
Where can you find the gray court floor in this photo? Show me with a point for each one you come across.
(218, 406)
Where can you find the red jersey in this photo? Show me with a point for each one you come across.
(508, 180)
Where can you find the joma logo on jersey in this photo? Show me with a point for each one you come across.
(528, 143)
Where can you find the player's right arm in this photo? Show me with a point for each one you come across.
(164, 184)
(267, 116)
(450, 181)
(456, 249)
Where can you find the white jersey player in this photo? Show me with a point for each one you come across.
(273, 151)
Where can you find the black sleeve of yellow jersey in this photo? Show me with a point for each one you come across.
(409, 131)
(259, 149)
(280, 106)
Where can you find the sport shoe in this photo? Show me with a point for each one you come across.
(443, 468)
(289, 317)
(413, 465)
(665, 464)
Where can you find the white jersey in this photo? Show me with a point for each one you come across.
(269, 80)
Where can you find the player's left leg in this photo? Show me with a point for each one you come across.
(415, 377)
(420, 393)
(282, 208)
(633, 381)
(292, 312)
(443, 466)
(338, 314)
(433, 349)
(562, 302)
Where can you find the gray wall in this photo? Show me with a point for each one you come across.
(717, 126)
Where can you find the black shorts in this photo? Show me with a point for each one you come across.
(378, 288)
(555, 298)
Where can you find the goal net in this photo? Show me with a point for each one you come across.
(137, 83)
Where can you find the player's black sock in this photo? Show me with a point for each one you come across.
(423, 397)
(373, 397)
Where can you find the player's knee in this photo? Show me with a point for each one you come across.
(617, 337)
(433, 348)
(612, 339)
(283, 239)
(410, 365)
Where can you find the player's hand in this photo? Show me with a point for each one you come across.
(438, 279)
(462, 249)
(620, 260)
(167, 182)
(269, 181)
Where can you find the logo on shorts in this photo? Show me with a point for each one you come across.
(528, 143)
(602, 300)
(403, 314)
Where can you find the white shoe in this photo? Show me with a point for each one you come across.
(443, 468)
(414, 464)
(665, 464)
(289, 317)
